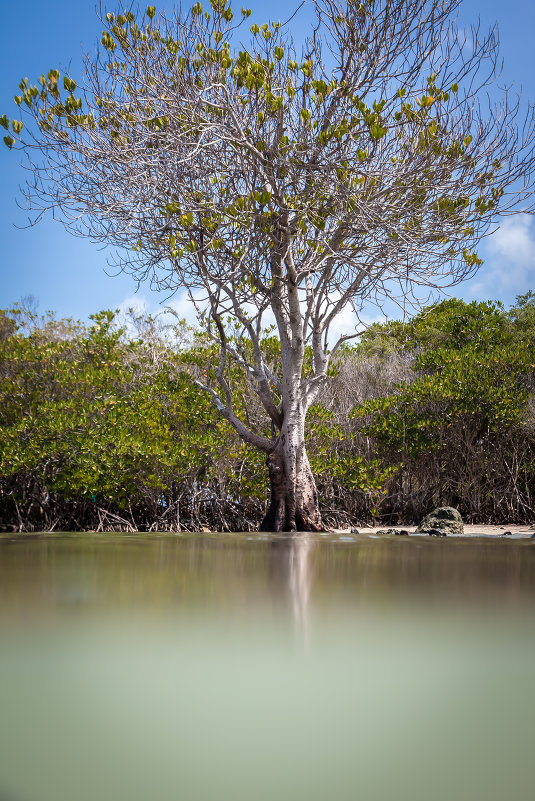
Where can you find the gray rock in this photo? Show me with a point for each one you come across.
(387, 532)
(442, 521)
(355, 531)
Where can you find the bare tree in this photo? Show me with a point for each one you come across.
(278, 189)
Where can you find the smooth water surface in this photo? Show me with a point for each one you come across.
(256, 667)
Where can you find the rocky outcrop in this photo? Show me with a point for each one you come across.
(441, 522)
(392, 531)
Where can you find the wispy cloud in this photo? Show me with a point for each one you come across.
(509, 256)
(465, 40)
(184, 307)
(515, 241)
(138, 303)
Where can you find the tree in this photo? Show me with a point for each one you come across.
(280, 190)
(461, 432)
(72, 452)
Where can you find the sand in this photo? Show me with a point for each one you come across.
(470, 530)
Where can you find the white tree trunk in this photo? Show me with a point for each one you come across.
(293, 503)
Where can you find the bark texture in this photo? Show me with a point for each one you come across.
(293, 504)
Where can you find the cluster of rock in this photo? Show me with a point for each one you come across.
(397, 531)
(439, 523)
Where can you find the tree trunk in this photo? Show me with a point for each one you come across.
(293, 503)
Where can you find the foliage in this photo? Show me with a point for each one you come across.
(282, 186)
(104, 426)
(96, 420)
(470, 402)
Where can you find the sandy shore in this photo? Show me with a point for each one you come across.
(470, 530)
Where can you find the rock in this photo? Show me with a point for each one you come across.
(355, 531)
(442, 521)
(387, 532)
(402, 533)
(507, 533)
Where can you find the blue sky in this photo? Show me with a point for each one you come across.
(71, 276)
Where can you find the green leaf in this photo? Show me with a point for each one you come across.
(108, 42)
(68, 84)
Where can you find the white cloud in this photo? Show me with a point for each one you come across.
(347, 323)
(136, 302)
(515, 241)
(183, 306)
(465, 40)
(180, 303)
(510, 260)
(344, 324)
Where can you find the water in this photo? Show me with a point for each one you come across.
(257, 667)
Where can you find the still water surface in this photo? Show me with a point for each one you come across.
(256, 667)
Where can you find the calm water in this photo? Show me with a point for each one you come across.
(250, 667)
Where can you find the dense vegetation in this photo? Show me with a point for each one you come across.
(102, 426)
(283, 182)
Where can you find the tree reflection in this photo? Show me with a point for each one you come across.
(291, 575)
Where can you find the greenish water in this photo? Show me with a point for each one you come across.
(257, 667)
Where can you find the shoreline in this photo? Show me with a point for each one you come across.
(521, 531)
(471, 531)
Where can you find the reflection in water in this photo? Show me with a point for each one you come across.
(162, 667)
(290, 571)
(44, 575)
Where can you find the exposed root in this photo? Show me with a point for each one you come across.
(291, 508)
